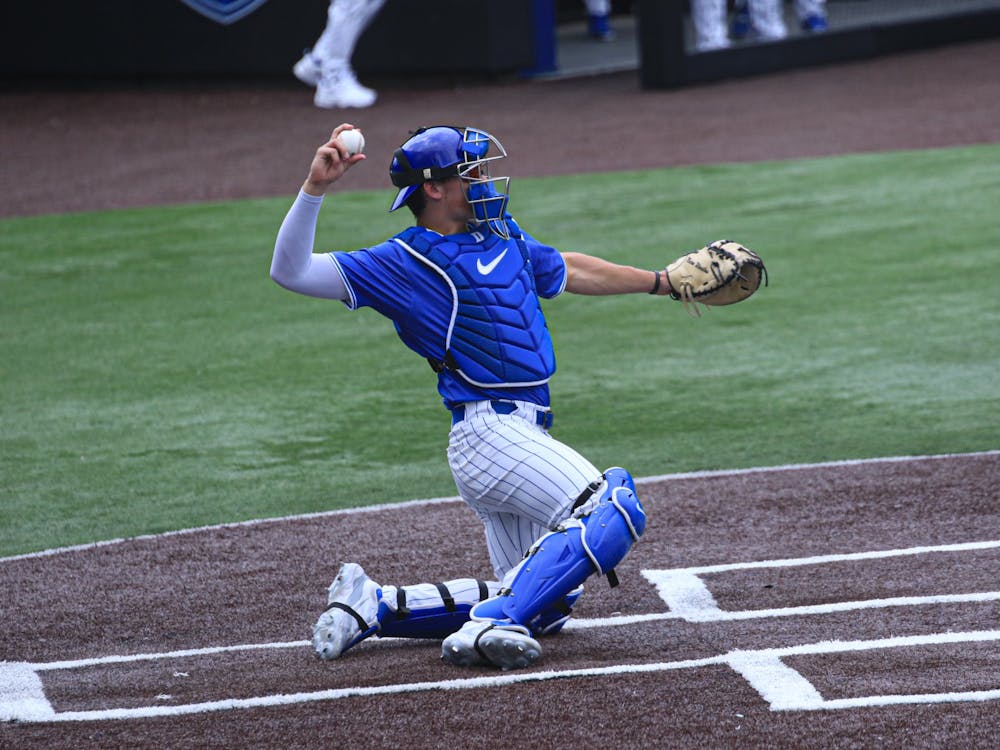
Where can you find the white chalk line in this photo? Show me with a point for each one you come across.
(747, 663)
(782, 687)
(22, 696)
(800, 611)
(98, 661)
(456, 499)
(785, 689)
(653, 576)
(576, 624)
(843, 557)
(688, 597)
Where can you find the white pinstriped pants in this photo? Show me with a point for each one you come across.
(518, 479)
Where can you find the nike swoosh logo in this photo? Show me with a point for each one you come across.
(488, 268)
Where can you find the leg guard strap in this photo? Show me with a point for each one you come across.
(362, 625)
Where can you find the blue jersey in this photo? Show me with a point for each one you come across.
(420, 303)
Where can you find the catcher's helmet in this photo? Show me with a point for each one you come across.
(443, 151)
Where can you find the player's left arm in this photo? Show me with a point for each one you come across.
(588, 274)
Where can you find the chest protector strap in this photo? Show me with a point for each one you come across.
(497, 336)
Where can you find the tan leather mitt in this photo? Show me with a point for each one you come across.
(721, 273)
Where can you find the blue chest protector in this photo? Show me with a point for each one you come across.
(497, 336)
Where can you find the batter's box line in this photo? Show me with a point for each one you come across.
(785, 689)
(683, 607)
(22, 697)
(688, 598)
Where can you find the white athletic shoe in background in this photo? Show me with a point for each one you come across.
(308, 68)
(338, 87)
(353, 600)
(504, 646)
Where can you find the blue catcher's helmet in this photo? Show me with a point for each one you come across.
(443, 151)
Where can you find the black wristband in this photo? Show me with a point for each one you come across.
(656, 284)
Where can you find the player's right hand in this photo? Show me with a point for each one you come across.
(330, 163)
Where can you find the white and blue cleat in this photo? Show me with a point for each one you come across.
(352, 615)
(502, 645)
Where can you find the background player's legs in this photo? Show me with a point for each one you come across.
(598, 20)
(768, 18)
(709, 18)
(811, 14)
(328, 65)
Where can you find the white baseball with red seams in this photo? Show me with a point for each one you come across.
(353, 140)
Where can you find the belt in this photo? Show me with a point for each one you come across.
(543, 417)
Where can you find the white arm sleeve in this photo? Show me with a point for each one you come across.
(294, 265)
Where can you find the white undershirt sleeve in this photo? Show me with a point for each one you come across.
(294, 265)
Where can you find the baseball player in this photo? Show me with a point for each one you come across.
(463, 288)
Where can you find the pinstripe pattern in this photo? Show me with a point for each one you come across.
(518, 479)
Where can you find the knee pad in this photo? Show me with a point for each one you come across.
(430, 610)
(595, 539)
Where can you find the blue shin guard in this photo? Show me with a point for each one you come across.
(593, 540)
(430, 610)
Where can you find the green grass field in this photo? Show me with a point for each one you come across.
(154, 378)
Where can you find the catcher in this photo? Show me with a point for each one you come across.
(463, 288)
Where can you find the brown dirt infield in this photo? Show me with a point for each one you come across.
(108, 149)
(264, 583)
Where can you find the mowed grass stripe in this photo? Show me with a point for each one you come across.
(155, 379)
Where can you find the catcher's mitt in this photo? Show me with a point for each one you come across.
(721, 273)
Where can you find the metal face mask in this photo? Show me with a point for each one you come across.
(488, 195)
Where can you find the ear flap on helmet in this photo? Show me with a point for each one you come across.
(406, 174)
(431, 153)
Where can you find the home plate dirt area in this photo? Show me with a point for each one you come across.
(852, 604)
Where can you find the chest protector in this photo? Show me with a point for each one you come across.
(497, 336)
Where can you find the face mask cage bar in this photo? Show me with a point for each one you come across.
(487, 195)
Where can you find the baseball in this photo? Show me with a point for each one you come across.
(354, 141)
